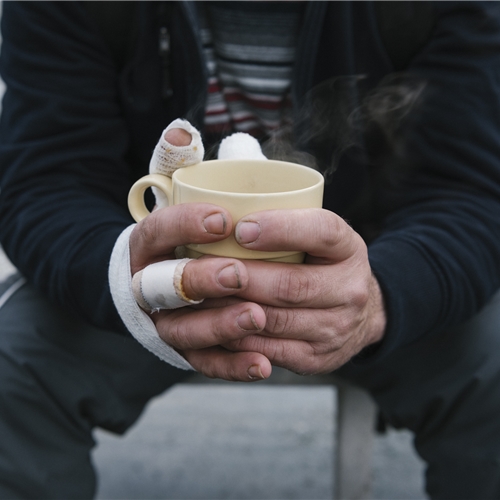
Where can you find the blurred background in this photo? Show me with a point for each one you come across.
(238, 441)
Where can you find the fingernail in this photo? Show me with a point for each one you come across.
(215, 224)
(247, 232)
(229, 277)
(254, 372)
(178, 137)
(247, 322)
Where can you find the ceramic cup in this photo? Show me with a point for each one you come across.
(240, 186)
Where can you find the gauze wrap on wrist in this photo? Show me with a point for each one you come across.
(138, 323)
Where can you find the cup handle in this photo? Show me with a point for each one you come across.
(136, 204)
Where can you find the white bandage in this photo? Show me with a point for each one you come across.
(167, 158)
(138, 323)
(159, 286)
(240, 146)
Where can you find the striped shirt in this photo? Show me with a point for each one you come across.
(250, 49)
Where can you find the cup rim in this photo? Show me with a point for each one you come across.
(319, 177)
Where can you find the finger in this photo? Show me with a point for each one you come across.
(297, 356)
(197, 329)
(217, 362)
(320, 326)
(179, 146)
(330, 326)
(294, 355)
(318, 232)
(304, 285)
(323, 347)
(155, 237)
(210, 278)
(170, 284)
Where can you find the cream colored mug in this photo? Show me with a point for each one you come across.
(240, 186)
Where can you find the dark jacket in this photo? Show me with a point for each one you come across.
(79, 124)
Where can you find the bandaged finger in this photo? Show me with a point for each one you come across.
(240, 146)
(167, 158)
(159, 286)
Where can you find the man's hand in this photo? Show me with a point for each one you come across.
(309, 318)
(319, 314)
(197, 334)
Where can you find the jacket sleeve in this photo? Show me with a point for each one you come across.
(63, 144)
(438, 257)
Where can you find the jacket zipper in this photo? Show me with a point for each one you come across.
(164, 52)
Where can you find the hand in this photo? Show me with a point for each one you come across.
(197, 334)
(319, 314)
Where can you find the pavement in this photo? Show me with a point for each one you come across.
(238, 441)
(254, 442)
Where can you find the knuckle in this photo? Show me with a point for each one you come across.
(223, 369)
(149, 230)
(225, 328)
(359, 294)
(283, 352)
(293, 286)
(217, 370)
(219, 334)
(332, 229)
(236, 345)
(278, 320)
(183, 222)
(344, 325)
(178, 336)
(233, 375)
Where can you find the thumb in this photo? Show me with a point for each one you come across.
(320, 233)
